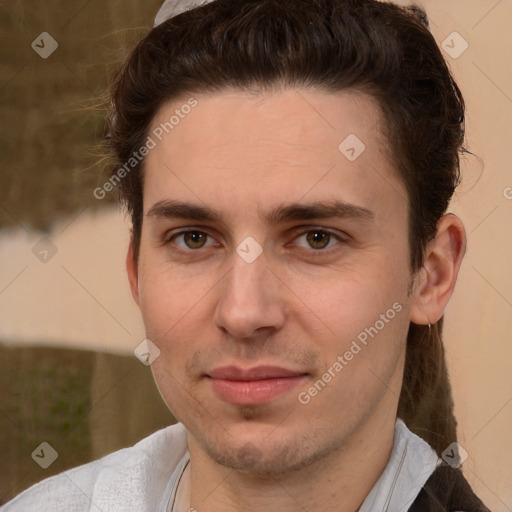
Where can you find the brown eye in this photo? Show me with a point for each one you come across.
(194, 239)
(318, 239)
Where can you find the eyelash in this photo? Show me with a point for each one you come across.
(168, 242)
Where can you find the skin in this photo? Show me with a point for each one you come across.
(298, 305)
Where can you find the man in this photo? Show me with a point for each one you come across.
(287, 166)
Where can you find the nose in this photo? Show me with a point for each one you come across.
(251, 300)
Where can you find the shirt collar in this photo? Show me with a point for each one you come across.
(411, 463)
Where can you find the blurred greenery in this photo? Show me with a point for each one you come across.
(84, 404)
(51, 122)
(45, 397)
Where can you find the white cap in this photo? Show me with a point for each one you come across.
(171, 8)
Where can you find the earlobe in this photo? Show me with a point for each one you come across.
(131, 267)
(435, 282)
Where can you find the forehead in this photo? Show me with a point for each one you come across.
(268, 145)
(312, 119)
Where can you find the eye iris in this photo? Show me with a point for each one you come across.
(195, 239)
(318, 239)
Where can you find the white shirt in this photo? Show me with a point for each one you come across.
(144, 478)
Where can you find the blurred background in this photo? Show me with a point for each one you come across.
(68, 325)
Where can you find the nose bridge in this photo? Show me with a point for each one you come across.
(248, 299)
(243, 287)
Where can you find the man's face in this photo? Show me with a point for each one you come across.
(274, 274)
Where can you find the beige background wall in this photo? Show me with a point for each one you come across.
(80, 296)
(479, 319)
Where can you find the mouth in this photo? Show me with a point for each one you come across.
(253, 386)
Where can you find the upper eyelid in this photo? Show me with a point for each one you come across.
(306, 229)
(339, 235)
(169, 239)
(171, 236)
(297, 232)
(181, 231)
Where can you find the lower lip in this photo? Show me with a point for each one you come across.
(255, 392)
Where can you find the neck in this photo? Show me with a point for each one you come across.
(340, 481)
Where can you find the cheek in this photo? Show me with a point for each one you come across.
(166, 293)
(363, 330)
(170, 309)
(177, 311)
(352, 298)
(360, 354)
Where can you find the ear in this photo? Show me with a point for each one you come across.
(435, 281)
(133, 277)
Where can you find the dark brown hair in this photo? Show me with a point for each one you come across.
(374, 47)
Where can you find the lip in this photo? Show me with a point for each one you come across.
(253, 386)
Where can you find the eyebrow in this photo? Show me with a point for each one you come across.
(169, 209)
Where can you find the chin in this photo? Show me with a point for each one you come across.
(264, 455)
